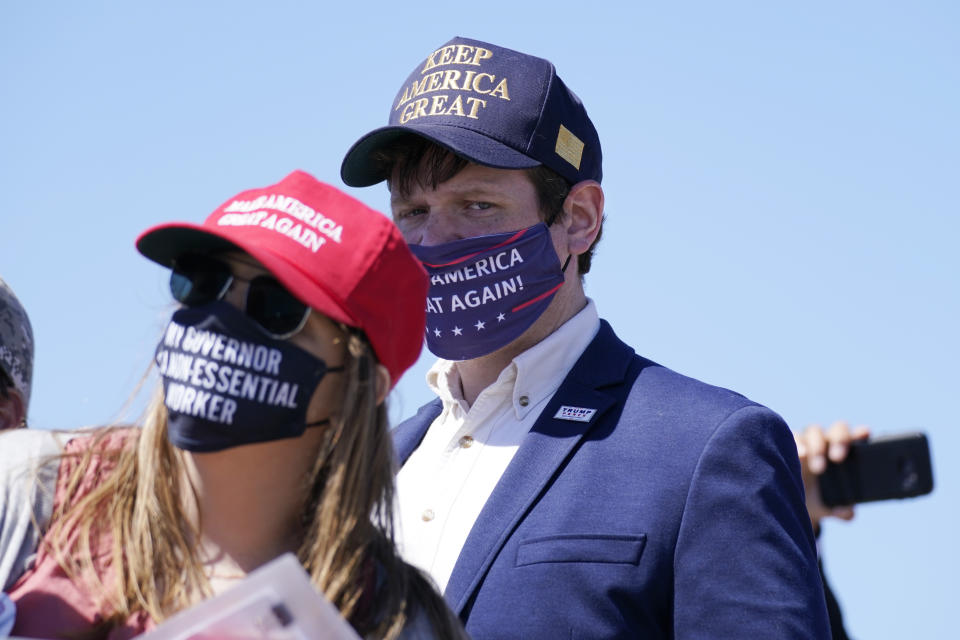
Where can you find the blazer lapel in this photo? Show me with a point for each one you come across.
(550, 441)
(408, 434)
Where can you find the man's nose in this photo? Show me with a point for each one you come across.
(438, 229)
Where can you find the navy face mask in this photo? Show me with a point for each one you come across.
(227, 384)
(486, 291)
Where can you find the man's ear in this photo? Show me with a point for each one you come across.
(583, 215)
(383, 383)
(13, 413)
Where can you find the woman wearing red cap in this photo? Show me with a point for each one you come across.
(300, 308)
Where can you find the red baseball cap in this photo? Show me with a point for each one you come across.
(328, 249)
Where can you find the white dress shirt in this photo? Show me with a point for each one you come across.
(446, 481)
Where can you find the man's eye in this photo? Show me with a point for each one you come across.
(409, 213)
(479, 206)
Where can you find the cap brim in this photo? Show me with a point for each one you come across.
(164, 243)
(359, 169)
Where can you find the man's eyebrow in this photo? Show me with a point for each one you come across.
(479, 187)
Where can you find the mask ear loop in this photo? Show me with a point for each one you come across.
(327, 419)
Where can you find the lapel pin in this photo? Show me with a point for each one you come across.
(575, 414)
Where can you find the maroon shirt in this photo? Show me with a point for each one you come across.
(49, 603)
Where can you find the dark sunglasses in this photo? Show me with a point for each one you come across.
(198, 279)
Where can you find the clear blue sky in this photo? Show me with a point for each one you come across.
(782, 188)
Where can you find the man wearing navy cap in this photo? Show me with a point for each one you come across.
(561, 486)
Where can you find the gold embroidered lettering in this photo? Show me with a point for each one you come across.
(436, 108)
(475, 104)
(420, 108)
(464, 52)
(481, 54)
(434, 82)
(456, 107)
(414, 110)
(456, 54)
(450, 77)
(446, 55)
(450, 80)
(415, 89)
(403, 99)
(501, 90)
(476, 82)
(430, 63)
(467, 81)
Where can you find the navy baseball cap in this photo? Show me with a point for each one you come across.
(491, 105)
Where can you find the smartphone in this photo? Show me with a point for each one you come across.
(894, 466)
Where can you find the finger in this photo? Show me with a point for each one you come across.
(816, 448)
(844, 513)
(838, 439)
(860, 432)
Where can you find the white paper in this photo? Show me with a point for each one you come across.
(275, 602)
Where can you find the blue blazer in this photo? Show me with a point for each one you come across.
(677, 511)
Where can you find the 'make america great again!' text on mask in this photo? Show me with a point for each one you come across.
(486, 291)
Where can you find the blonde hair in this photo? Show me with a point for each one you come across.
(347, 520)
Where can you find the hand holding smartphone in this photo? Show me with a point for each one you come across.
(895, 466)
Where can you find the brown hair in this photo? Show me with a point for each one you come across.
(137, 505)
(411, 160)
